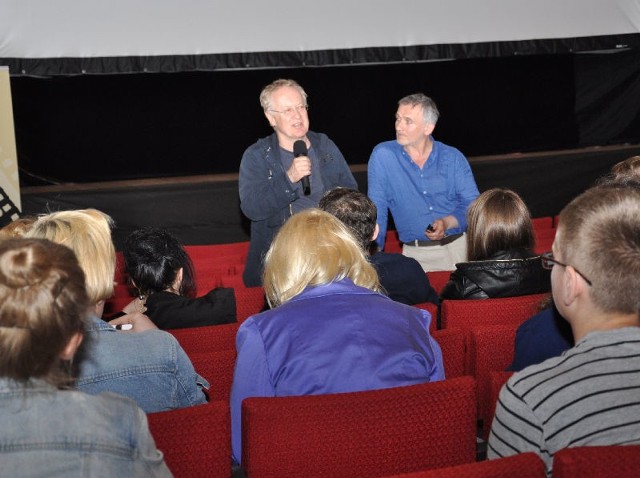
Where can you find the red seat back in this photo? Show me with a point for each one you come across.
(496, 380)
(597, 462)
(433, 310)
(208, 338)
(249, 301)
(522, 465)
(361, 434)
(453, 343)
(473, 312)
(491, 349)
(196, 441)
(438, 279)
(217, 367)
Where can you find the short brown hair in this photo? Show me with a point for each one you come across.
(43, 304)
(599, 234)
(498, 220)
(354, 209)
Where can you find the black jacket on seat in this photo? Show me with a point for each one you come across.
(507, 274)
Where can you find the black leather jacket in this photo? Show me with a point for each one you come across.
(506, 274)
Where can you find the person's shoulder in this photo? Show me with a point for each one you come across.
(535, 375)
(122, 409)
(449, 152)
(262, 144)
(391, 145)
(391, 258)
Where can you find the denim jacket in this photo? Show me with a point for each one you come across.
(150, 367)
(56, 433)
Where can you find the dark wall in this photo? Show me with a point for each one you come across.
(108, 127)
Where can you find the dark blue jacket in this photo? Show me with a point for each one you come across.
(266, 194)
(403, 278)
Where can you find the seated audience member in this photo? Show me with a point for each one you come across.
(540, 337)
(501, 261)
(588, 396)
(149, 366)
(330, 330)
(547, 334)
(162, 272)
(401, 277)
(48, 429)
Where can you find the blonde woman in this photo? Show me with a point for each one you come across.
(330, 329)
(150, 367)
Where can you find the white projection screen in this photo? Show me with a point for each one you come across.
(239, 34)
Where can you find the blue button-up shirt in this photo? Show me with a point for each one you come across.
(417, 197)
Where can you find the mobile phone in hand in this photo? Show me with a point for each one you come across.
(430, 228)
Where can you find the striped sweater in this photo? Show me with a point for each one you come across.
(588, 396)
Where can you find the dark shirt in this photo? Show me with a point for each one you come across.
(507, 274)
(403, 278)
(172, 311)
(547, 334)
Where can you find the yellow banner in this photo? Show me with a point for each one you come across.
(10, 205)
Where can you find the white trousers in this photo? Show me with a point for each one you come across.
(438, 257)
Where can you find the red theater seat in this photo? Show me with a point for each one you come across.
(523, 465)
(597, 462)
(361, 434)
(196, 441)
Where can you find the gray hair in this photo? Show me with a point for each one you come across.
(267, 91)
(429, 109)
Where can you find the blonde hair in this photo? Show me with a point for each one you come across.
(498, 220)
(86, 232)
(314, 248)
(267, 91)
(599, 234)
(43, 304)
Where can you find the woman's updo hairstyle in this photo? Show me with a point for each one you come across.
(43, 304)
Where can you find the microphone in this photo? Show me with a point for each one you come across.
(300, 149)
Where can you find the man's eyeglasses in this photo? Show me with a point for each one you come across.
(548, 262)
(290, 111)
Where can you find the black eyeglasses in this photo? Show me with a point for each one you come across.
(548, 262)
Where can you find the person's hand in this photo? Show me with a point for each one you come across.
(438, 229)
(300, 167)
(138, 321)
(136, 305)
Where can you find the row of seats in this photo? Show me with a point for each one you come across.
(425, 430)
(481, 352)
(477, 340)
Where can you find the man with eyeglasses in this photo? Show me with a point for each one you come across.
(273, 170)
(427, 185)
(589, 395)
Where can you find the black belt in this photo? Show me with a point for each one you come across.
(441, 242)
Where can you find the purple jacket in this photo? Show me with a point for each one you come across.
(333, 338)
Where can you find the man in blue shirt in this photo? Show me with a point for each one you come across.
(426, 185)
